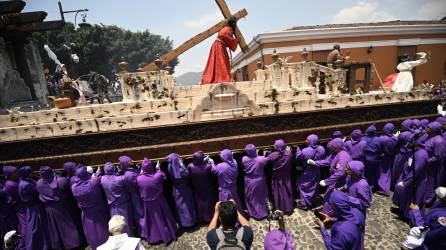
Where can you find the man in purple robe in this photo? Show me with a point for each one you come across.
(337, 162)
(181, 191)
(11, 189)
(388, 148)
(53, 192)
(348, 231)
(118, 197)
(130, 175)
(403, 152)
(227, 173)
(308, 180)
(412, 184)
(431, 227)
(70, 171)
(256, 189)
(203, 185)
(336, 134)
(355, 146)
(160, 223)
(281, 161)
(358, 190)
(436, 148)
(36, 234)
(70, 174)
(90, 198)
(373, 153)
(370, 133)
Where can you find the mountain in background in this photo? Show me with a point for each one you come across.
(189, 78)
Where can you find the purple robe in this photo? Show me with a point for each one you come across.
(70, 174)
(337, 162)
(132, 187)
(281, 187)
(53, 191)
(388, 147)
(355, 146)
(160, 223)
(436, 148)
(373, 153)
(435, 237)
(118, 197)
(256, 189)
(308, 180)
(8, 219)
(278, 239)
(95, 215)
(181, 191)
(227, 173)
(358, 190)
(204, 188)
(403, 152)
(414, 187)
(36, 234)
(11, 190)
(348, 232)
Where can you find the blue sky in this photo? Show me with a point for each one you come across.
(182, 19)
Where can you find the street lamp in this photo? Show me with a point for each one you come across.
(83, 26)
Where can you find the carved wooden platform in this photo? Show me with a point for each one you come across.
(210, 136)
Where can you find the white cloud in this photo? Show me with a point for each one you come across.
(362, 12)
(434, 9)
(204, 21)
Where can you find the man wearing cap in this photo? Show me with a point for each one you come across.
(119, 240)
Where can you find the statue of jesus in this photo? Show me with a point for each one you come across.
(218, 67)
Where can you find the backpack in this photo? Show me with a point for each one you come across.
(230, 243)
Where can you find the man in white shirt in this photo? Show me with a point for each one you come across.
(119, 240)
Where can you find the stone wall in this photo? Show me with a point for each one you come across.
(13, 88)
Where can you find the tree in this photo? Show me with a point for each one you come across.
(101, 47)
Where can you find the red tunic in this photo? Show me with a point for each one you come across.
(218, 67)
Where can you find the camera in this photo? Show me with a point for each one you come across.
(272, 215)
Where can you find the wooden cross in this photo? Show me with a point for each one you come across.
(163, 60)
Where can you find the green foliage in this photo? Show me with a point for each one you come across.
(101, 47)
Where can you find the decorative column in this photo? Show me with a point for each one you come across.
(125, 88)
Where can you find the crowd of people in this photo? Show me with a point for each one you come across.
(52, 210)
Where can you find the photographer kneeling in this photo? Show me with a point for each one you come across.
(281, 238)
(228, 236)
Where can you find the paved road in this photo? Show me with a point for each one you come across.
(383, 230)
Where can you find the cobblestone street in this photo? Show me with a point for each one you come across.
(383, 230)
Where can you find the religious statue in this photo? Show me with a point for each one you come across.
(335, 57)
(404, 79)
(218, 67)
